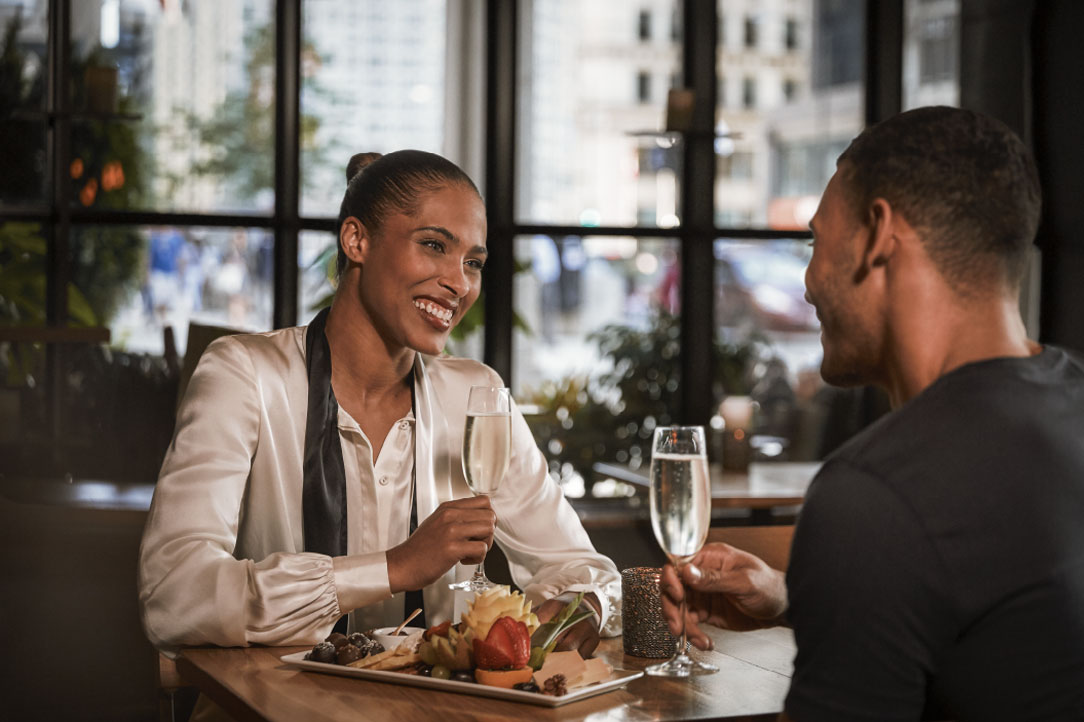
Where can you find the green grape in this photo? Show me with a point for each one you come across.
(440, 672)
(427, 653)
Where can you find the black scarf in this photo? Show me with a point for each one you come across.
(323, 496)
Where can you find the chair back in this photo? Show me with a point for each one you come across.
(200, 337)
(770, 543)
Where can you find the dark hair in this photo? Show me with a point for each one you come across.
(966, 183)
(377, 185)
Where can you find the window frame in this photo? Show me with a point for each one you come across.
(502, 20)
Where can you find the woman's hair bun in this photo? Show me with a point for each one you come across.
(358, 163)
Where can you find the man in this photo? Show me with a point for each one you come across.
(937, 569)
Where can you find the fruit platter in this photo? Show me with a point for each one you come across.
(497, 650)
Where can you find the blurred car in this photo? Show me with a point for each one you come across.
(761, 286)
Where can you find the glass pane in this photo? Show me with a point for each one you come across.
(317, 251)
(931, 53)
(174, 105)
(772, 403)
(139, 281)
(596, 360)
(594, 83)
(790, 100)
(23, 88)
(23, 253)
(372, 81)
(23, 378)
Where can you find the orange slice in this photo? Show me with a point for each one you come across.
(506, 678)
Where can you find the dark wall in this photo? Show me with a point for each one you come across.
(1058, 119)
(1022, 61)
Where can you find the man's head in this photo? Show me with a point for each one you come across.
(934, 195)
(965, 182)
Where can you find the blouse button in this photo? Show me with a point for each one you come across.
(404, 425)
(383, 481)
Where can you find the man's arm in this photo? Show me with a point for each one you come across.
(726, 587)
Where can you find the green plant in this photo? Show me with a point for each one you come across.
(611, 414)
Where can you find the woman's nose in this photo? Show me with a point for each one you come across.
(455, 280)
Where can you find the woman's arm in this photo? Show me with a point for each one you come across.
(191, 588)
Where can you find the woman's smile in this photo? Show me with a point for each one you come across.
(437, 313)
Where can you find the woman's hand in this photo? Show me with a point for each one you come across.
(728, 588)
(457, 532)
(582, 636)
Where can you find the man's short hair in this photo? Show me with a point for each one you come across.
(966, 183)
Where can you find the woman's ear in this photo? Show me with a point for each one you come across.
(354, 240)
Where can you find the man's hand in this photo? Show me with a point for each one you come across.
(457, 532)
(728, 588)
(582, 636)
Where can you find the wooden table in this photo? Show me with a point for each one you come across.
(252, 684)
(765, 486)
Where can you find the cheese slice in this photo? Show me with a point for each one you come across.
(570, 664)
(596, 671)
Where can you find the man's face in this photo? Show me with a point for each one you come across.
(851, 336)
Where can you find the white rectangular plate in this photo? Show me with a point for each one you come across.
(621, 677)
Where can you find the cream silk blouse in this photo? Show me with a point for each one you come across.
(222, 560)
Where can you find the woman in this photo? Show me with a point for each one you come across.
(302, 456)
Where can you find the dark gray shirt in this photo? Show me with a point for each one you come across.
(938, 565)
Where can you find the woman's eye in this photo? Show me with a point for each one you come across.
(434, 244)
(475, 264)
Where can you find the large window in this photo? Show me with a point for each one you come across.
(646, 251)
(931, 53)
(372, 76)
(581, 126)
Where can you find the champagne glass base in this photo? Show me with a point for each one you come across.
(472, 585)
(681, 665)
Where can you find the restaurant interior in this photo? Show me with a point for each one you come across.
(171, 171)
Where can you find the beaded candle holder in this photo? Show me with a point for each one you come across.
(645, 632)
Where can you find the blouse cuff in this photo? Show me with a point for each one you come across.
(361, 580)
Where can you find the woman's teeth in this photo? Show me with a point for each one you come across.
(434, 310)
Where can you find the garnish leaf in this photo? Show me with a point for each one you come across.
(545, 637)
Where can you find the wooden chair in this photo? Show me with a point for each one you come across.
(200, 337)
(176, 697)
(770, 543)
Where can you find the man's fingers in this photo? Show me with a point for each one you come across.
(697, 637)
(671, 587)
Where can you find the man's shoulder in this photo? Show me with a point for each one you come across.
(968, 409)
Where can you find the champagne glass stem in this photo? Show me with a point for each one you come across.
(681, 645)
(479, 573)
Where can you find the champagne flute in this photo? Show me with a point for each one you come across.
(680, 501)
(487, 448)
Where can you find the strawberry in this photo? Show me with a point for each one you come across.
(438, 630)
(508, 645)
(490, 656)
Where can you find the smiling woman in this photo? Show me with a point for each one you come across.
(412, 233)
(315, 471)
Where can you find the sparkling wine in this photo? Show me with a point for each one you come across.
(486, 450)
(680, 500)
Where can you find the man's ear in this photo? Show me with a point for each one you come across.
(354, 240)
(883, 226)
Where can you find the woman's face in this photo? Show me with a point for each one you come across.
(423, 271)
